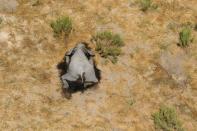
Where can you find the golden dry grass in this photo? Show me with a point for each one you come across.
(30, 89)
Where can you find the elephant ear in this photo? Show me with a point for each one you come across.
(70, 52)
(89, 52)
(68, 55)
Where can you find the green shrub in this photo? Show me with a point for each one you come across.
(62, 25)
(108, 45)
(185, 36)
(145, 4)
(1, 20)
(195, 27)
(166, 120)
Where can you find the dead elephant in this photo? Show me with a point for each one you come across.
(80, 70)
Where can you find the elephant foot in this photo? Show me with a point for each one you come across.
(67, 93)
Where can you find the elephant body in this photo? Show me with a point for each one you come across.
(80, 65)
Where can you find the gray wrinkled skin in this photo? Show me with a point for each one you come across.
(80, 67)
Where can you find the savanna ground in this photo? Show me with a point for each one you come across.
(152, 71)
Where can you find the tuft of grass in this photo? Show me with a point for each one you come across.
(163, 46)
(185, 36)
(130, 102)
(166, 120)
(108, 45)
(36, 3)
(145, 4)
(62, 25)
(195, 27)
(1, 20)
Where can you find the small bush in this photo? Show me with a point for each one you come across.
(36, 3)
(130, 102)
(185, 36)
(145, 4)
(1, 20)
(62, 25)
(108, 45)
(195, 27)
(166, 120)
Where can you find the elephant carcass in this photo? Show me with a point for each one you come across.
(80, 67)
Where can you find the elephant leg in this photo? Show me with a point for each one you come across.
(87, 84)
(66, 89)
(65, 83)
(67, 59)
(67, 93)
(68, 77)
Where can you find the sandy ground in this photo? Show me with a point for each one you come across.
(153, 70)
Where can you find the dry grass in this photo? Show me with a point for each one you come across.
(30, 88)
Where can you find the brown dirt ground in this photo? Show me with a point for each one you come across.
(152, 71)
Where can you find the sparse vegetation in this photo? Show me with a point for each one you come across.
(151, 69)
(36, 3)
(163, 46)
(108, 45)
(145, 4)
(130, 102)
(166, 120)
(1, 20)
(185, 36)
(62, 25)
(195, 27)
